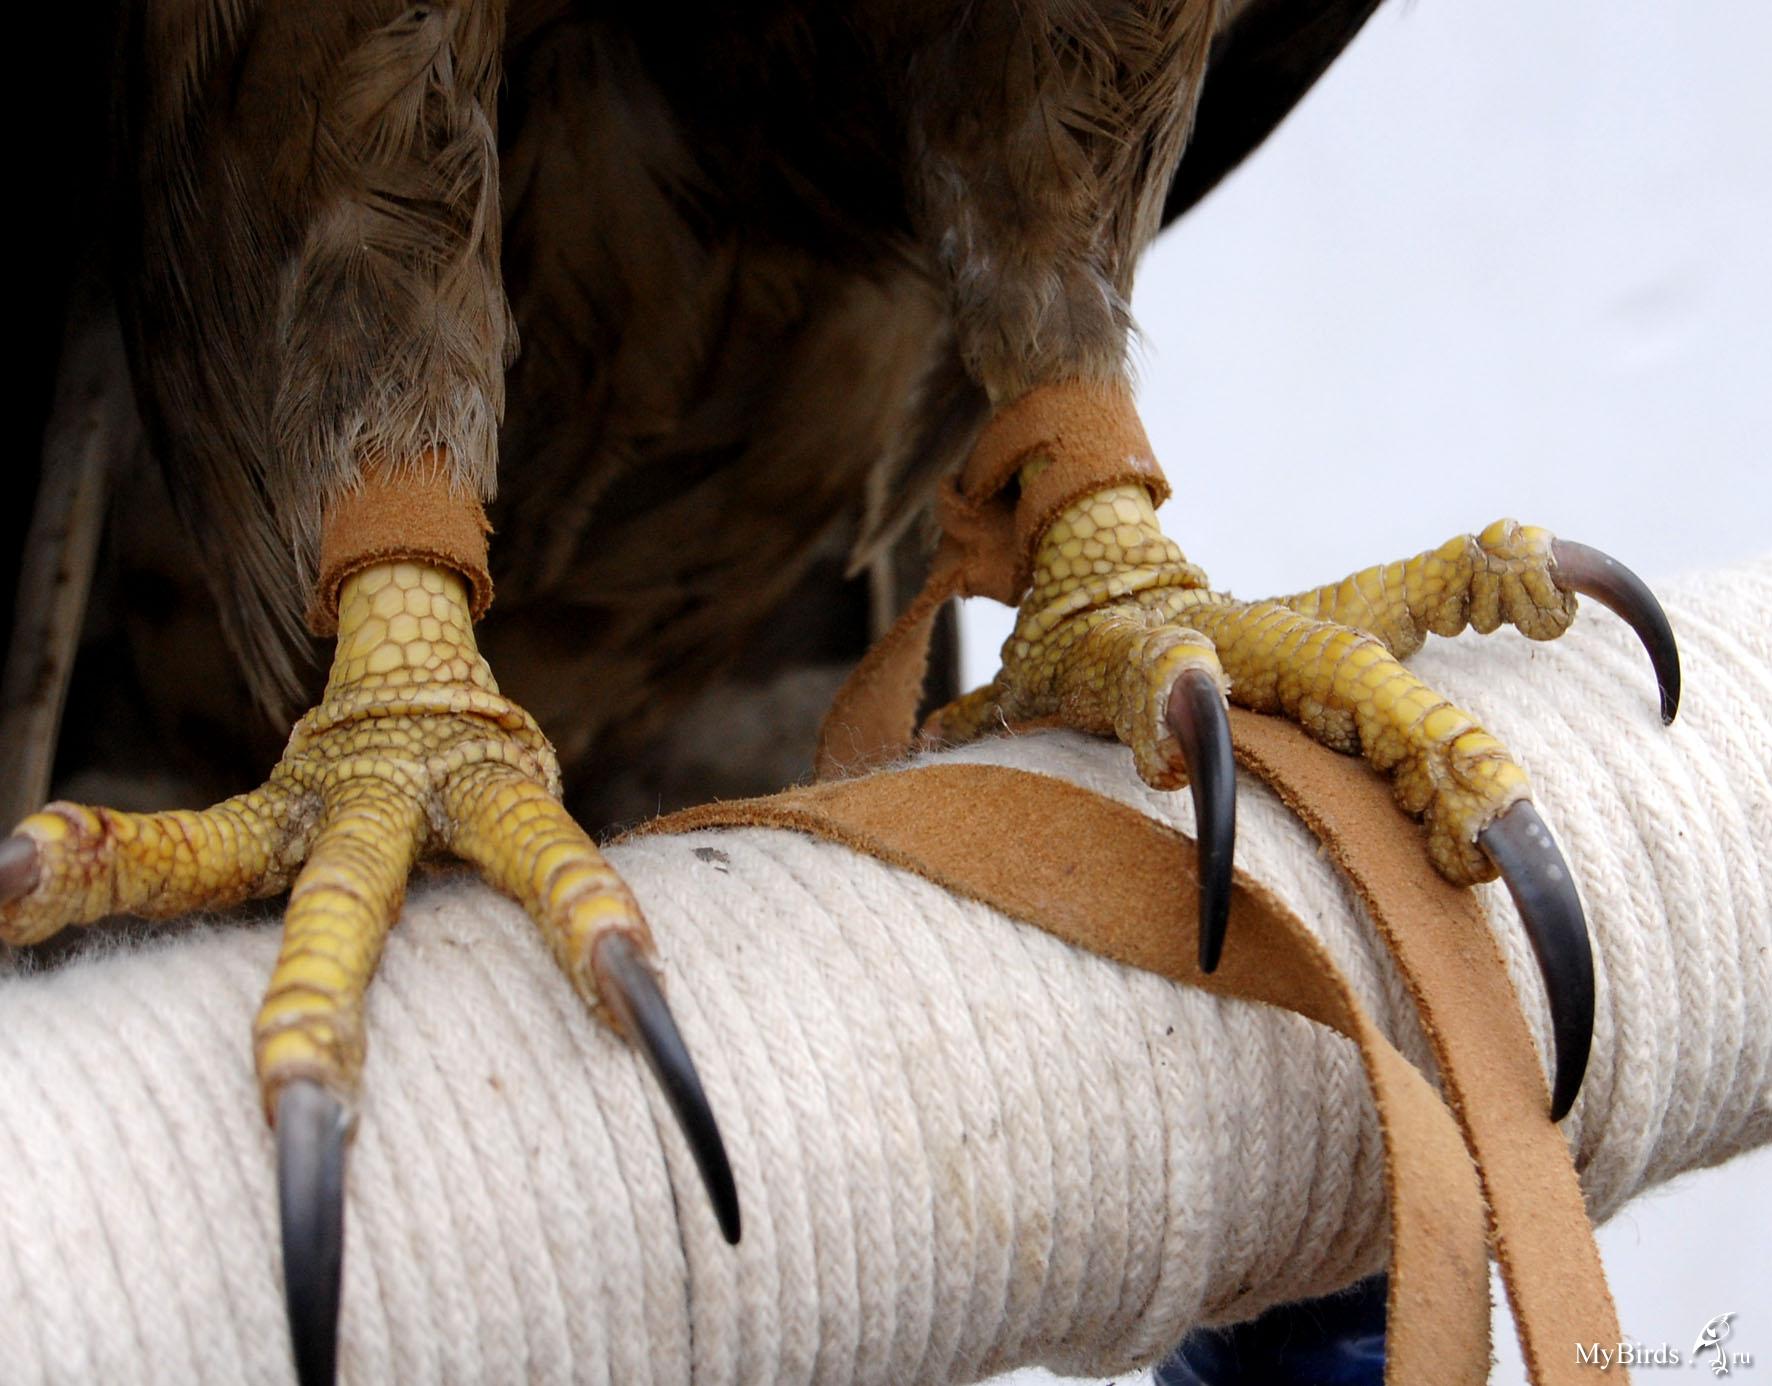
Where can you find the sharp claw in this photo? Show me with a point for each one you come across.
(312, 1126)
(1196, 715)
(1544, 892)
(1587, 570)
(18, 868)
(631, 990)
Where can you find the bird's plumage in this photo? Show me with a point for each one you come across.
(774, 273)
(765, 273)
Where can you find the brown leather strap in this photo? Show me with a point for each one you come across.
(407, 513)
(1075, 439)
(1011, 839)
(1112, 881)
(1454, 970)
(874, 715)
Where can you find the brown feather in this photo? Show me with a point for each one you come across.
(769, 270)
(309, 271)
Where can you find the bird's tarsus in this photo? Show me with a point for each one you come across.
(18, 868)
(629, 988)
(1538, 878)
(1587, 570)
(312, 1129)
(1197, 717)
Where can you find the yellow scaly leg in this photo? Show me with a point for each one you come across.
(411, 749)
(1117, 627)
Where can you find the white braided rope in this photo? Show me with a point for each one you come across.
(960, 1144)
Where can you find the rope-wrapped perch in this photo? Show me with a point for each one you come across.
(961, 1144)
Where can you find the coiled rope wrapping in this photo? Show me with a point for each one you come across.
(961, 1145)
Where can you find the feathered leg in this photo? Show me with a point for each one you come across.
(1039, 221)
(319, 333)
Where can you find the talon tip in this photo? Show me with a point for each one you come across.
(1595, 573)
(18, 868)
(312, 1127)
(633, 993)
(1538, 878)
(1197, 717)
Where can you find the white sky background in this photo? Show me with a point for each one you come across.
(1509, 258)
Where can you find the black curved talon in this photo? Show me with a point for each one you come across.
(311, 1130)
(1544, 893)
(18, 868)
(1196, 715)
(631, 990)
(1584, 569)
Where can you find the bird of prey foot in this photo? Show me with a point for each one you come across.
(411, 749)
(1120, 635)
(773, 270)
